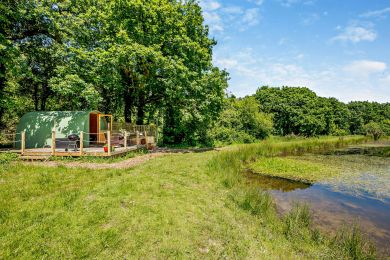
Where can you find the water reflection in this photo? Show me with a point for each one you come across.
(274, 183)
(330, 208)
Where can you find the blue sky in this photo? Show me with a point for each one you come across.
(338, 48)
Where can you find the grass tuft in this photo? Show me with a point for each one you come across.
(353, 245)
(297, 222)
(256, 201)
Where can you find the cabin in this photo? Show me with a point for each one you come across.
(77, 133)
(38, 127)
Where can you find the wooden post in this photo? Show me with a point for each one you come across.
(109, 142)
(53, 142)
(125, 140)
(137, 138)
(23, 142)
(81, 143)
(145, 137)
(156, 133)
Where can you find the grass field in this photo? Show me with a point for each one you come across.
(177, 206)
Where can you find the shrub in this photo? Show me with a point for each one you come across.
(374, 129)
(241, 122)
(5, 158)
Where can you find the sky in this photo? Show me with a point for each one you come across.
(337, 48)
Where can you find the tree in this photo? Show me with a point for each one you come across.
(142, 61)
(295, 110)
(373, 129)
(241, 122)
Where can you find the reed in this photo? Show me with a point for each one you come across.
(296, 226)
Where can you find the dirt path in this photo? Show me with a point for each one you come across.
(92, 165)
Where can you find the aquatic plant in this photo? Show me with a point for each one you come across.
(254, 200)
(353, 244)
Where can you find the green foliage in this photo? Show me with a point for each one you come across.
(295, 110)
(173, 207)
(374, 129)
(353, 245)
(293, 169)
(300, 111)
(363, 112)
(254, 200)
(385, 125)
(143, 61)
(241, 122)
(6, 158)
(75, 92)
(297, 222)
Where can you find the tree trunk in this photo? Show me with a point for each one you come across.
(44, 96)
(2, 88)
(128, 94)
(128, 106)
(35, 96)
(141, 110)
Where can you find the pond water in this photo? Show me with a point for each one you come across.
(361, 196)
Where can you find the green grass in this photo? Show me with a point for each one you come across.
(100, 159)
(295, 169)
(191, 205)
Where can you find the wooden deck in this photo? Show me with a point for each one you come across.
(87, 151)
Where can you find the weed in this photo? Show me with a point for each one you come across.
(353, 245)
(6, 158)
(256, 201)
(297, 222)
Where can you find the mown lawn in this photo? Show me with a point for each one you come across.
(177, 206)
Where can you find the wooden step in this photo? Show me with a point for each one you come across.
(35, 157)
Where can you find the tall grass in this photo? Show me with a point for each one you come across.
(230, 163)
(297, 222)
(351, 243)
(296, 225)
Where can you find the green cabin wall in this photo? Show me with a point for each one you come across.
(38, 126)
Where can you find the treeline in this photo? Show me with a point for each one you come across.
(150, 62)
(298, 111)
(142, 61)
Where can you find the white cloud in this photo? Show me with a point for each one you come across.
(211, 16)
(226, 63)
(364, 68)
(288, 3)
(386, 81)
(355, 34)
(219, 17)
(358, 80)
(214, 21)
(251, 17)
(310, 19)
(377, 14)
(257, 2)
(209, 5)
(233, 10)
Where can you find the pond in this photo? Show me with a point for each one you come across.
(360, 194)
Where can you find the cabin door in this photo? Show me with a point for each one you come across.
(104, 124)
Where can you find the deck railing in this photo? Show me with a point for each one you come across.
(122, 135)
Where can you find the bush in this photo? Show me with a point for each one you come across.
(5, 158)
(374, 129)
(241, 122)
